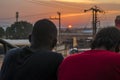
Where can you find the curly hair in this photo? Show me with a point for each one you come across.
(108, 38)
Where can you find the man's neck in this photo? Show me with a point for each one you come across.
(40, 48)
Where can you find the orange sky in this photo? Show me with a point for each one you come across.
(72, 13)
(90, 1)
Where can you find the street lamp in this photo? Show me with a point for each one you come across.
(59, 29)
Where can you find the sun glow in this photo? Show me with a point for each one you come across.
(69, 26)
(113, 12)
(73, 14)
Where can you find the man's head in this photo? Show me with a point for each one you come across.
(108, 38)
(44, 34)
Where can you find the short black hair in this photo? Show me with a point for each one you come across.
(108, 37)
(44, 31)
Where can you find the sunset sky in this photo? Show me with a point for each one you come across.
(72, 11)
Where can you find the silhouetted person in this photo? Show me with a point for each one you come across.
(102, 62)
(36, 62)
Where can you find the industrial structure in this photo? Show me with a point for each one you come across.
(94, 10)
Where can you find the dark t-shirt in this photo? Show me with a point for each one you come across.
(23, 64)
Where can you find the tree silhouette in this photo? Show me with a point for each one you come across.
(2, 32)
(19, 30)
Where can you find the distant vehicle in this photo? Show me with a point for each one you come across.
(73, 51)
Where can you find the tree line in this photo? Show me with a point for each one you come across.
(18, 30)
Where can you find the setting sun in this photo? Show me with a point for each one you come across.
(69, 26)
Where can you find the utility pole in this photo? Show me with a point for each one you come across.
(17, 16)
(94, 10)
(59, 29)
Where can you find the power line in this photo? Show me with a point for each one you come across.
(25, 16)
(2, 19)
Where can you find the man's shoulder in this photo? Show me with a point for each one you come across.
(12, 53)
(56, 53)
(50, 53)
(14, 50)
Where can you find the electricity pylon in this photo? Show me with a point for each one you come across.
(94, 10)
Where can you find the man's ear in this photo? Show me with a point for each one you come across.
(30, 38)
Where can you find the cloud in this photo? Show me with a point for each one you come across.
(76, 1)
(72, 15)
(91, 1)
